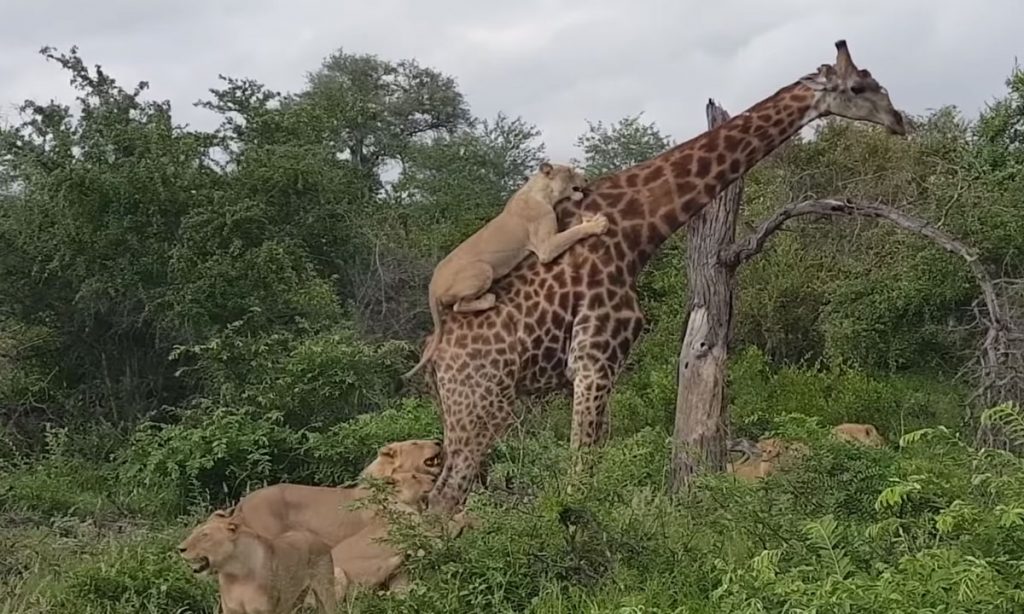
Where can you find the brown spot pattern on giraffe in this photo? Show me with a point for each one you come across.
(581, 311)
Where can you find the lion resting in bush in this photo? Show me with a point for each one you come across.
(261, 575)
(353, 532)
(325, 511)
(865, 434)
(769, 453)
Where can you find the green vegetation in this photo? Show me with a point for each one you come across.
(187, 315)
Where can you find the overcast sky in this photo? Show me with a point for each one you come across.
(555, 62)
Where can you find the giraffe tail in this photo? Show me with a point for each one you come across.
(428, 352)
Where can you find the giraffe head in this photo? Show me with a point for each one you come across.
(847, 91)
(558, 181)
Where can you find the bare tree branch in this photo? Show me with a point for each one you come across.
(742, 251)
(999, 364)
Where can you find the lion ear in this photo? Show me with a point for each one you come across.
(232, 527)
(388, 451)
(546, 168)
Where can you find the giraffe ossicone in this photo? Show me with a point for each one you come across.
(571, 324)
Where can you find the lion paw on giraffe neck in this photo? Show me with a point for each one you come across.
(571, 323)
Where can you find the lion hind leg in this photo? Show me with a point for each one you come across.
(468, 290)
(325, 586)
(482, 303)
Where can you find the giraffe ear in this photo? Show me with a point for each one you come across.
(546, 168)
(823, 79)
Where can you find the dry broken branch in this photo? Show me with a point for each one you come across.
(1000, 363)
(744, 250)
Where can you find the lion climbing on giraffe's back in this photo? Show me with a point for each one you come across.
(527, 224)
(574, 322)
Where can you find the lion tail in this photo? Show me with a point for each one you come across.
(428, 352)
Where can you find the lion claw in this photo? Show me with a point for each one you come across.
(598, 222)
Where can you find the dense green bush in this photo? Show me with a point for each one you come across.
(215, 454)
(835, 394)
(848, 529)
(68, 479)
(311, 379)
(138, 574)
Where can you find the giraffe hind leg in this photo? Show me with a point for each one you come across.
(591, 425)
(477, 410)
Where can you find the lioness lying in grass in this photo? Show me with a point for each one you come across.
(261, 575)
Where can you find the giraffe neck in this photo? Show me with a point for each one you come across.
(656, 197)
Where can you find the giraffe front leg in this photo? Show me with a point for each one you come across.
(597, 352)
(591, 389)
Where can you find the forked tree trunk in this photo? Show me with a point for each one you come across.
(698, 441)
(701, 420)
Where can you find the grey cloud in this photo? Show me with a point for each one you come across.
(556, 63)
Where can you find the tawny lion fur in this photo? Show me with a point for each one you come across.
(774, 451)
(865, 434)
(410, 456)
(327, 512)
(353, 535)
(526, 224)
(260, 575)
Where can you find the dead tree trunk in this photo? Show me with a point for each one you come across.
(698, 441)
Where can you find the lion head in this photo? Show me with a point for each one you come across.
(771, 448)
(411, 456)
(865, 434)
(210, 544)
(411, 488)
(559, 181)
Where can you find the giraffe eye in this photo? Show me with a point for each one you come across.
(857, 90)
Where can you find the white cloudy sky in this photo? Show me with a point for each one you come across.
(555, 62)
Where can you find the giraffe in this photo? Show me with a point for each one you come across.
(571, 324)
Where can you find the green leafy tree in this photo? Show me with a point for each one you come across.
(452, 185)
(95, 200)
(372, 110)
(608, 148)
(1000, 131)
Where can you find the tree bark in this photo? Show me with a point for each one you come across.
(701, 420)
